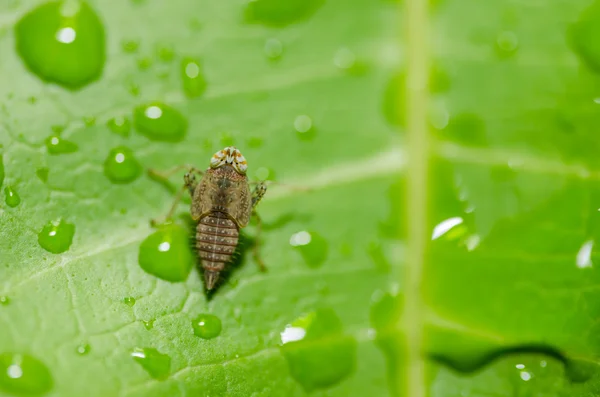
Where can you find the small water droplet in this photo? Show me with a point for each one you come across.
(144, 63)
(129, 301)
(160, 122)
(206, 326)
(83, 349)
(119, 125)
(58, 128)
(584, 255)
(255, 142)
(277, 13)
(11, 197)
(304, 127)
(130, 46)
(89, 121)
(226, 139)
(165, 53)
(312, 246)
(22, 374)
(264, 173)
(56, 236)
(121, 166)
(62, 43)
(192, 78)
(157, 365)
(57, 145)
(4, 300)
(42, 174)
(148, 324)
(318, 353)
(273, 49)
(344, 59)
(133, 89)
(506, 43)
(166, 253)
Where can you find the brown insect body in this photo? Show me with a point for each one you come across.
(221, 206)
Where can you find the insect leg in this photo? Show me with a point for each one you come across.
(258, 193)
(257, 242)
(189, 185)
(169, 216)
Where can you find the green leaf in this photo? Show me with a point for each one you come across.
(88, 108)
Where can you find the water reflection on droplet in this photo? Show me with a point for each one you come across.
(525, 375)
(273, 48)
(443, 227)
(507, 43)
(584, 255)
(292, 334)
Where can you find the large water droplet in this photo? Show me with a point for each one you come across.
(317, 351)
(584, 37)
(11, 197)
(280, 13)
(56, 236)
(121, 166)
(57, 145)
(312, 246)
(119, 125)
(62, 42)
(166, 253)
(192, 78)
(160, 122)
(206, 326)
(158, 365)
(129, 301)
(24, 375)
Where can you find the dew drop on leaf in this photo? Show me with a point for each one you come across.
(121, 166)
(56, 236)
(206, 326)
(119, 125)
(11, 197)
(160, 122)
(62, 42)
(89, 121)
(42, 174)
(24, 375)
(318, 353)
(273, 49)
(304, 127)
(255, 142)
(129, 301)
(157, 365)
(507, 44)
(83, 349)
(192, 78)
(144, 63)
(4, 300)
(166, 253)
(165, 53)
(149, 324)
(312, 246)
(130, 46)
(280, 13)
(57, 145)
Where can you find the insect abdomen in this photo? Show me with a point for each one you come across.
(216, 240)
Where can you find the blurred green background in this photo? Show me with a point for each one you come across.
(316, 95)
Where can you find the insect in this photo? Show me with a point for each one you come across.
(222, 204)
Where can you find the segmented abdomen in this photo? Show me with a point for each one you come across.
(216, 239)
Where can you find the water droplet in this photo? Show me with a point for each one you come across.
(312, 246)
(165, 53)
(304, 127)
(255, 142)
(148, 324)
(584, 255)
(22, 374)
(467, 129)
(158, 365)
(206, 326)
(83, 349)
(264, 173)
(133, 89)
(273, 49)
(11, 197)
(160, 122)
(278, 13)
(121, 166)
(42, 174)
(344, 59)
(144, 63)
(4, 300)
(446, 226)
(584, 34)
(226, 139)
(57, 145)
(89, 121)
(62, 42)
(317, 351)
(58, 128)
(130, 46)
(119, 125)
(56, 236)
(192, 78)
(129, 301)
(506, 43)
(166, 253)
